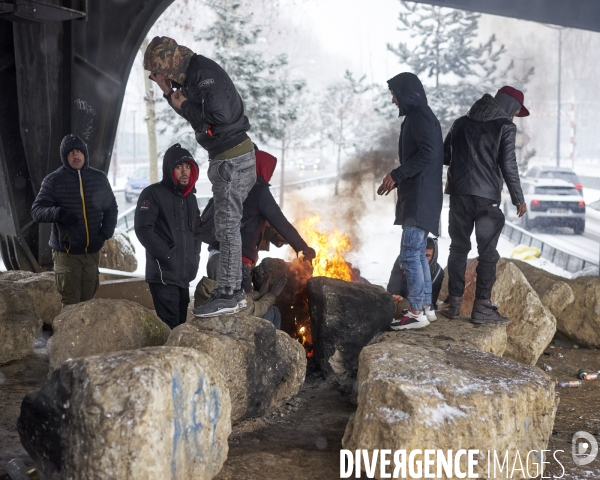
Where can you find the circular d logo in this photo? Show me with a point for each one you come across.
(585, 448)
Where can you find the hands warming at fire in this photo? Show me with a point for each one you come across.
(387, 185)
(309, 254)
(277, 287)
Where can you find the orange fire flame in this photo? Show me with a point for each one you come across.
(330, 248)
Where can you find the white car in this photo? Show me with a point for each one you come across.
(550, 202)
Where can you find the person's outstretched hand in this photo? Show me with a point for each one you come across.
(279, 285)
(309, 254)
(387, 185)
(264, 288)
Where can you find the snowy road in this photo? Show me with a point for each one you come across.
(586, 246)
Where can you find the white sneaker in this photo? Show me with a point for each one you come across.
(409, 321)
(430, 314)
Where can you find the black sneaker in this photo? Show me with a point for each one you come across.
(240, 296)
(217, 304)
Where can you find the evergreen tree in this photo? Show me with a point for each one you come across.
(447, 52)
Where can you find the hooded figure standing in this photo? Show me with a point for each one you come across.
(200, 91)
(167, 224)
(79, 202)
(419, 183)
(480, 150)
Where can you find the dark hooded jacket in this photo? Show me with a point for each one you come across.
(260, 208)
(213, 107)
(167, 224)
(480, 150)
(398, 284)
(85, 193)
(420, 149)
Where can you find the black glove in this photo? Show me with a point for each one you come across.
(279, 285)
(309, 254)
(67, 218)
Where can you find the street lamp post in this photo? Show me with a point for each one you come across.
(558, 97)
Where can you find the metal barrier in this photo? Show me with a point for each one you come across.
(125, 220)
(567, 261)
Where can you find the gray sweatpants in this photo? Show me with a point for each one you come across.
(232, 180)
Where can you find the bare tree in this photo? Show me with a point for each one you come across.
(341, 113)
(150, 100)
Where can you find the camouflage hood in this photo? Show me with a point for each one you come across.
(164, 56)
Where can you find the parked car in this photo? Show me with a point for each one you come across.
(550, 202)
(139, 180)
(556, 172)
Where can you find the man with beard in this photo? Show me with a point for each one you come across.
(419, 183)
(167, 224)
(79, 203)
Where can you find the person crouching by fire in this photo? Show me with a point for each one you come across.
(398, 286)
(259, 212)
(419, 183)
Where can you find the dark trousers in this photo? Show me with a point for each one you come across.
(466, 212)
(76, 276)
(170, 302)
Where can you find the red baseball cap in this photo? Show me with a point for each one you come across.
(518, 96)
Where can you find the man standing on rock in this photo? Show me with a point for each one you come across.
(419, 183)
(79, 202)
(167, 224)
(206, 97)
(480, 152)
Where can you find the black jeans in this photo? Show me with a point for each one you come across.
(170, 302)
(466, 212)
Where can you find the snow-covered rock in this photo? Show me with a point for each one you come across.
(18, 322)
(417, 397)
(153, 413)
(260, 366)
(531, 325)
(102, 326)
(118, 253)
(42, 288)
(457, 332)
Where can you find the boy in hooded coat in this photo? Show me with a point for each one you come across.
(419, 183)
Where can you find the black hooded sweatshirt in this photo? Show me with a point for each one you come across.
(85, 193)
(480, 149)
(421, 154)
(167, 224)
